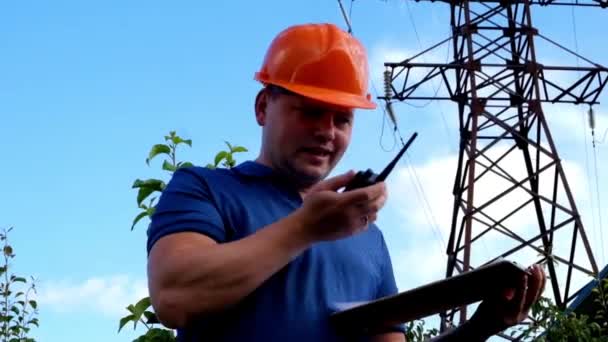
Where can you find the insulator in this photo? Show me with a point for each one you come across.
(391, 114)
(388, 91)
(591, 118)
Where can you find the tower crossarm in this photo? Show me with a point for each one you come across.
(580, 3)
(501, 83)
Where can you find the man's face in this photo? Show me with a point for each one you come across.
(302, 137)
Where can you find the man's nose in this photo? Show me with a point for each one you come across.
(326, 127)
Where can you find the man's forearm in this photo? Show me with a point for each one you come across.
(199, 281)
(389, 337)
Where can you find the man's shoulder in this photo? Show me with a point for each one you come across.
(203, 173)
(244, 169)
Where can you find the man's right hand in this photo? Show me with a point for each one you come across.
(330, 215)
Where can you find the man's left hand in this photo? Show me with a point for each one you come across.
(511, 307)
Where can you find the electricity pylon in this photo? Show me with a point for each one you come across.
(499, 87)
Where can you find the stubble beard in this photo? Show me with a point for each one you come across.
(302, 180)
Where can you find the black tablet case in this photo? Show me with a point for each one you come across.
(439, 296)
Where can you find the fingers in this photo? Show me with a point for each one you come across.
(367, 201)
(366, 194)
(336, 182)
(536, 285)
(526, 292)
(521, 292)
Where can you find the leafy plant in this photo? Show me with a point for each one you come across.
(139, 312)
(416, 332)
(149, 186)
(226, 156)
(601, 299)
(18, 310)
(549, 323)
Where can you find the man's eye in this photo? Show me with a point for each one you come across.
(343, 120)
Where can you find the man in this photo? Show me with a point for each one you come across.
(263, 251)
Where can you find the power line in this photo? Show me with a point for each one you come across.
(426, 206)
(599, 203)
(436, 89)
(592, 127)
(346, 18)
(419, 189)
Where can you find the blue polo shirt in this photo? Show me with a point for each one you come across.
(295, 303)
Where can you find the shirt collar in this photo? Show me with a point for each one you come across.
(255, 169)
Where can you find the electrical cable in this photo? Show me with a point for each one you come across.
(591, 117)
(599, 202)
(386, 112)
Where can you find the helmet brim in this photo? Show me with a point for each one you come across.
(328, 96)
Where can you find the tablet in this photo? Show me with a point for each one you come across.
(433, 298)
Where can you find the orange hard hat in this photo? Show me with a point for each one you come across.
(321, 62)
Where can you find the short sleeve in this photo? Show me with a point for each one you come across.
(388, 286)
(186, 204)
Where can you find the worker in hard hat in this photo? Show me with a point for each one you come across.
(262, 251)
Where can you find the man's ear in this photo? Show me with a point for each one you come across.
(261, 103)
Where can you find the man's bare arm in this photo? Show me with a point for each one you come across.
(191, 275)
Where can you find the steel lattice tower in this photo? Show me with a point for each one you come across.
(499, 88)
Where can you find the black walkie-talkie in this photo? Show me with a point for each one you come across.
(368, 177)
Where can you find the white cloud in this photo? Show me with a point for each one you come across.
(421, 263)
(423, 259)
(571, 123)
(108, 295)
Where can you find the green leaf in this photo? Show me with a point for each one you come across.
(177, 140)
(151, 318)
(218, 157)
(156, 150)
(33, 304)
(229, 146)
(142, 305)
(8, 250)
(155, 184)
(137, 311)
(124, 321)
(150, 211)
(168, 167)
(239, 149)
(15, 310)
(18, 279)
(157, 335)
(143, 193)
(131, 308)
(185, 164)
(229, 161)
(139, 217)
(147, 187)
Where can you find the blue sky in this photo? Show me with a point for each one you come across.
(88, 87)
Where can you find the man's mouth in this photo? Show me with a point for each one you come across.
(317, 151)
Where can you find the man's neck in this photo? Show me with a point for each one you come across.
(301, 187)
